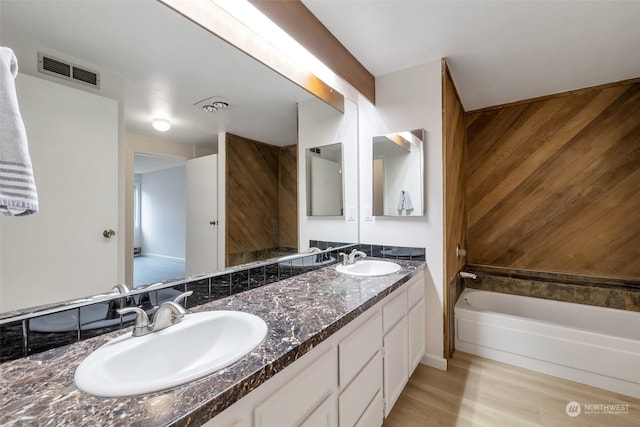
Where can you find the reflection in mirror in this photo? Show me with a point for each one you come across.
(159, 218)
(324, 180)
(152, 63)
(398, 183)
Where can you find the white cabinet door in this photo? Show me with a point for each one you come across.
(417, 332)
(396, 360)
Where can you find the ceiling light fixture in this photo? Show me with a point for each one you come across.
(161, 125)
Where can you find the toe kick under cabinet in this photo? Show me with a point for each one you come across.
(351, 379)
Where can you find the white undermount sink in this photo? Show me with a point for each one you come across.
(201, 344)
(369, 267)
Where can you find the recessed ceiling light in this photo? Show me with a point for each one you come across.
(161, 125)
(215, 106)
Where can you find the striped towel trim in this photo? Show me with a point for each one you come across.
(18, 195)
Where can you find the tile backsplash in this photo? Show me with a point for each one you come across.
(34, 334)
(378, 251)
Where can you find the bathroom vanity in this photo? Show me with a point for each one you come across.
(338, 351)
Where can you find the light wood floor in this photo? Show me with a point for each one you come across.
(481, 392)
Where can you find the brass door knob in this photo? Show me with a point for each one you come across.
(109, 233)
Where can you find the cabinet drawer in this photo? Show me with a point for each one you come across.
(358, 348)
(416, 291)
(324, 416)
(394, 310)
(354, 401)
(298, 399)
(374, 414)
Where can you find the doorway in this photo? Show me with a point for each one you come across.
(159, 218)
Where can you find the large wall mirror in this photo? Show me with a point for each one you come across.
(398, 174)
(325, 186)
(152, 63)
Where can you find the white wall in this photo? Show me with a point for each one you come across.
(318, 125)
(164, 213)
(405, 100)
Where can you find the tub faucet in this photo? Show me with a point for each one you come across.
(168, 314)
(467, 275)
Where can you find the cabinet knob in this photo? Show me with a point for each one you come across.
(108, 233)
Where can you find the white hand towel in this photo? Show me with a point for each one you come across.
(404, 203)
(18, 194)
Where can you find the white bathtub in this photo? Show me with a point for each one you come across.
(591, 345)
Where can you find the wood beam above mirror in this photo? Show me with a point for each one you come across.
(218, 22)
(294, 17)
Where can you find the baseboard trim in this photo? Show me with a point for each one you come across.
(162, 256)
(434, 362)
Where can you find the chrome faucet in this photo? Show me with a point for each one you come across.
(169, 313)
(467, 275)
(351, 258)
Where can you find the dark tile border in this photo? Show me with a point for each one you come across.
(608, 292)
(18, 339)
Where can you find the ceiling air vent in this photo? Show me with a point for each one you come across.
(66, 70)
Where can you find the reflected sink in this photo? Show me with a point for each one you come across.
(201, 344)
(369, 267)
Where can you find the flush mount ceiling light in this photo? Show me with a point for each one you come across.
(161, 125)
(215, 106)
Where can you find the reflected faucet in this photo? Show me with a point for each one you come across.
(120, 289)
(168, 314)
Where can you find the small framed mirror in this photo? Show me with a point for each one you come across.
(324, 180)
(398, 177)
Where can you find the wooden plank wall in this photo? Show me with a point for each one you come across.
(252, 170)
(454, 140)
(554, 184)
(288, 198)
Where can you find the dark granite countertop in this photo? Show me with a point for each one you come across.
(300, 312)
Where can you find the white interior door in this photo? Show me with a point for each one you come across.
(60, 253)
(202, 215)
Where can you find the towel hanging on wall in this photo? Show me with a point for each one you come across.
(18, 194)
(404, 203)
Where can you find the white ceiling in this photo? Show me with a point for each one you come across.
(167, 64)
(498, 51)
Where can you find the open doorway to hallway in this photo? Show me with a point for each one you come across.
(160, 210)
